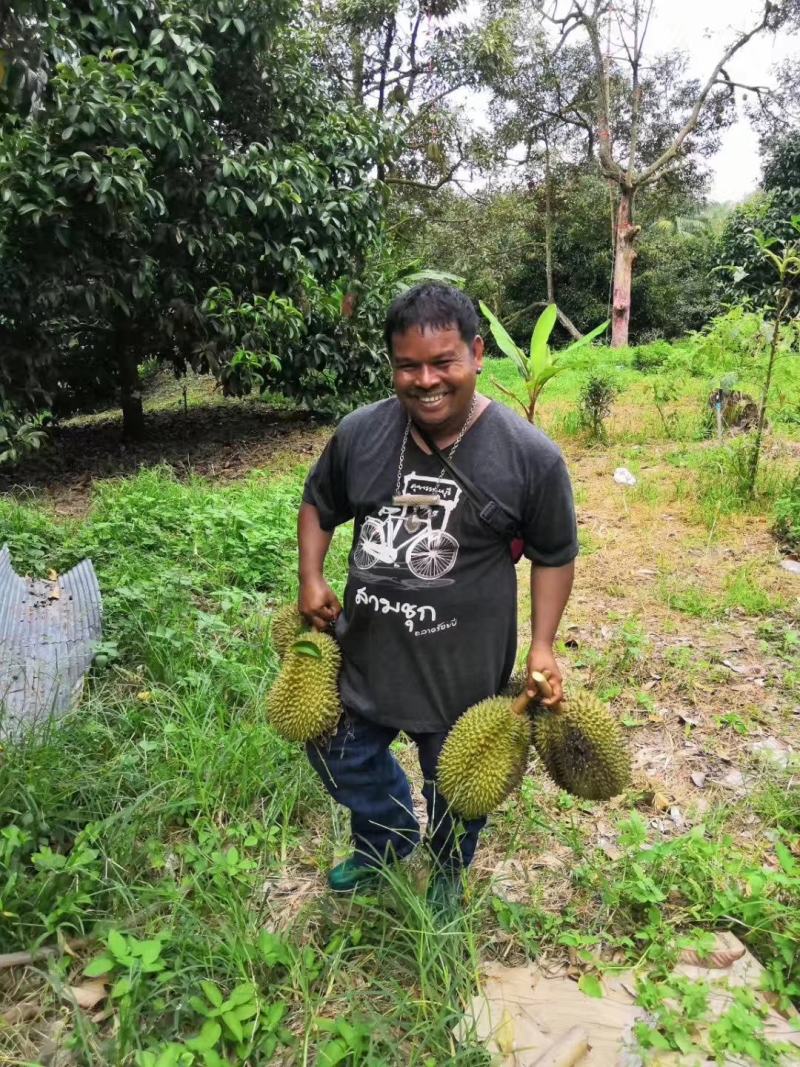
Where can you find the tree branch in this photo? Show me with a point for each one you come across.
(414, 184)
(672, 150)
(727, 81)
(611, 168)
(412, 51)
(429, 104)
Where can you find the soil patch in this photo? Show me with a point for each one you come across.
(220, 441)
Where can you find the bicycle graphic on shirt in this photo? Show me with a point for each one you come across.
(407, 527)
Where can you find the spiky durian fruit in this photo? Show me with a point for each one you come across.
(484, 757)
(287, 624)
(304, 700)
(582, 748)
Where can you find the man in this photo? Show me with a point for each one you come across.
(429, 624)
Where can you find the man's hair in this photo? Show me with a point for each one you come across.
(431, 306)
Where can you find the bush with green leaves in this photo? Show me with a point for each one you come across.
(786, 517)
(21, 433)
(597, 396)
(187, 188)
(743, 272)
(665, 392)
(651, 357)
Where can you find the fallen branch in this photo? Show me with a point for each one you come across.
(36, 955)
(23, 959)
(565, 1052)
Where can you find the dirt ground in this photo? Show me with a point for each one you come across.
(223, 441)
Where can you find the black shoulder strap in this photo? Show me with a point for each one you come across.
(489, 509)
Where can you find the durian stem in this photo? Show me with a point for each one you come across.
(520, 704)
(544, 687)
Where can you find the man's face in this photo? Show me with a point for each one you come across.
(434, 376)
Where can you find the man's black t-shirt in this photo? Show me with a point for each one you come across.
(429, 624)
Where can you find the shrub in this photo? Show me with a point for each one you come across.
(665, 394)
(596, 399)
(786, 525)
(724, 475)
(651, 356)
(20, 433)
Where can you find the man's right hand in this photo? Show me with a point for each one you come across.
(318, 603)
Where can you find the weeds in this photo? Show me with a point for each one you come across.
(786, 516)
(150, 828)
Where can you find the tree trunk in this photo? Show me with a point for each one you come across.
(548, 226)
(762, 410)
(624, 256)
(567, 323)
(130, 387)
(357, 70)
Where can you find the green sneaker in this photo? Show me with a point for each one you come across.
(349, 875)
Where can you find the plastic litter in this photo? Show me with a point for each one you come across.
(622, 476)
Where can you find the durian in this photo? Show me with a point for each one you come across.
(287, 624)
(485, 756)
(304, 700)
(582, 746)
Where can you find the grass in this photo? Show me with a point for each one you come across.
(182, 846)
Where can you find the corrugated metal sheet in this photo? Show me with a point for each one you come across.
(48, 631)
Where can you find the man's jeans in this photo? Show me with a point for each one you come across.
(360, 772)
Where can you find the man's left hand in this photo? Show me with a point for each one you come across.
(542, 659)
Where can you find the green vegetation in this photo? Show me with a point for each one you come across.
(233, 193)
(186, 843)
(201, 140)
(540, 366)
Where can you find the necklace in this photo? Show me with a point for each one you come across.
(453, 447)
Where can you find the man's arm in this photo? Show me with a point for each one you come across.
(316, 600)
(550, 589)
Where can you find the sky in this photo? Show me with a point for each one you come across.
(703, 28)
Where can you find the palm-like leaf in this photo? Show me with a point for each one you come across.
(587, 338)
(540, 350)
(538, 382)
(505, 343)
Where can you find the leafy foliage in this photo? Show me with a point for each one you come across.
(187, 189)
(786, 524)
(405, 60)
(744, 272)
(20, 433)
(537, 368)
(503, 259)
(597, 397)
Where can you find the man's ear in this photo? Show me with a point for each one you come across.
(477, 352)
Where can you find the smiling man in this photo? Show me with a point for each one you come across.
(429, 623)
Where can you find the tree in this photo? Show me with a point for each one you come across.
(745, 272)
(632, 149)
(187, 187)
(407, 60)
(497, 243)
(773, 110)
(541, 104)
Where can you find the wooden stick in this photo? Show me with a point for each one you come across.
(36, 955)
(520, 704)
(22, 959)
(567, 1051)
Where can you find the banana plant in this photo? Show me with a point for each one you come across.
(537, 368)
